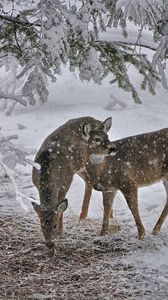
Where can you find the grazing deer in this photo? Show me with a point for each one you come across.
(139, 160)
(62, 154)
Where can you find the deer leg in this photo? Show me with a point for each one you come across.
(86, 201)
(61, 194)
(111, 212)
(108, 198)
(130, 193)
(60, 227)
(164, 213)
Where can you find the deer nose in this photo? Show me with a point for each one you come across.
(51, 249)
(112, 150)
(50, 245)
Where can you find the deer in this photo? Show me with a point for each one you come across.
(63, 153)
(139, 160)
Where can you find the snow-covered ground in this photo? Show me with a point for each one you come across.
(69, 98)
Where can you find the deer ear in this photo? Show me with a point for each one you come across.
(62, 206)
(86, 129)
(36, 207)
(107, 124)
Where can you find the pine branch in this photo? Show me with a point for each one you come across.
(13, 97)
(20, 22)
(134, 44)
(10, 156)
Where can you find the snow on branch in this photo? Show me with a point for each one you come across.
(11, 155)
(37, 40)
(159, 59)
(17, 21)
(13, 97)
(141, 44)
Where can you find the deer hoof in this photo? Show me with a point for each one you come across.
(104, 232)
(82, 217)
(141, 236)
(155, 231)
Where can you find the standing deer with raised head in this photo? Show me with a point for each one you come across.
(63, 153)
(139, 160)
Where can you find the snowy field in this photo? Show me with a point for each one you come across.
(117, 266)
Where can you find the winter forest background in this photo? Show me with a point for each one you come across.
(90, 38)
(39, 37)
(95, 40)
(66, 59)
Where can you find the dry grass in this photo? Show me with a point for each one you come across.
(85, 267)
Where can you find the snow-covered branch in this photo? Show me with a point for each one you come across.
(159, 60)
(17, 21)
(43, 37)
(140, 44)
(13, 97)
(12, 155)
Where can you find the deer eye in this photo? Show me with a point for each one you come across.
(55, 226)
(97, 140)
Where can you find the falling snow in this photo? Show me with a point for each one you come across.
(117, 266)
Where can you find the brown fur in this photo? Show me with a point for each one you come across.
(140, 160)
(63, 153)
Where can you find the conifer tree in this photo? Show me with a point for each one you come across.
(40, 36)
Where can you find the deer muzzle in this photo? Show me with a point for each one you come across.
(112, 150)
(50, 245)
